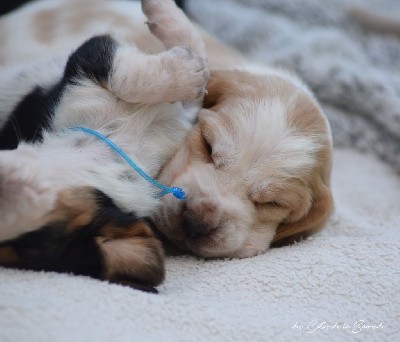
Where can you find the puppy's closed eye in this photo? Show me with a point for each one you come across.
(205, 145)
(270, 204)
(216, 156)
(217, 151)
(208, 147)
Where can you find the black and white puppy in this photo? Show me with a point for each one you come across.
(68, 202)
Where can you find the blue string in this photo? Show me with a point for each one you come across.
(177, 192)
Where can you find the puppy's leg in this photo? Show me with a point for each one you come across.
(88, 234)
(174, 75)
(169, 24)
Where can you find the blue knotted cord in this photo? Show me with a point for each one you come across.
(177, 192)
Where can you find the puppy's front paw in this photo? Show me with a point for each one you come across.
(189, 72)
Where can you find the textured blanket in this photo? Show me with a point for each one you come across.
(340, 285)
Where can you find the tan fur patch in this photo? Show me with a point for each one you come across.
(197, 145)
(312, 222)
(132, 253)
(221, 85)
(8, 256)
(138, 230)
(77, 207)
(307, 119)
(44, 24)
(78, 20)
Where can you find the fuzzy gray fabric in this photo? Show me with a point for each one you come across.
(354, 73)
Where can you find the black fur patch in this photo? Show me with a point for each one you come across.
(93, 60)
(53, 248)
(32, 115)
(8, 6)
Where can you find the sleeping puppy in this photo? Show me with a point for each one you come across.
(68, 202)
(256, 166)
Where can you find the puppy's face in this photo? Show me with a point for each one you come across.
(255, 169)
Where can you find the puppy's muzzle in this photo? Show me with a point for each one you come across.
(200, 218)
(193, 227)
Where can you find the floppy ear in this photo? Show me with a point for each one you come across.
(88, 234)
(312, 222)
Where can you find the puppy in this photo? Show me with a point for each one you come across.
(256, 166)
(68, 202)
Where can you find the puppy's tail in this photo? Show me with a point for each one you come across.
(374, 21)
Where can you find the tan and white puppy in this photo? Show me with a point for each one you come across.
(255, 168)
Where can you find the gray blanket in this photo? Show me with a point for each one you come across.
(354, 73)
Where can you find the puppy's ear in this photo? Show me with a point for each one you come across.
(88, 234)
(322, 203)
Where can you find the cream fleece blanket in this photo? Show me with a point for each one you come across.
(340, 285)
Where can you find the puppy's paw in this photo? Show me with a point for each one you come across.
(156, 8)
(169, 24)
(189, 73)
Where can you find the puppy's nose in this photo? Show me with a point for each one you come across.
(193, 227)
